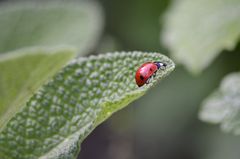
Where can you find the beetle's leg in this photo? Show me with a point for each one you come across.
(148, 80)
(154, 74)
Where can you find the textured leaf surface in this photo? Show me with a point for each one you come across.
(49, 23)
(197, 31)
(23, 72)
(63, 112)
(223, 106)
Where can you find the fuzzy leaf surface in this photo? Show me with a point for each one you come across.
(57, 118)
(23, 72)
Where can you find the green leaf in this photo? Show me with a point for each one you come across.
(223, 106)
(57, 118)
(23, 72)
(197, 31)
(50, 24)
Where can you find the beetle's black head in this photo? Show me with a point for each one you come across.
(160, 64)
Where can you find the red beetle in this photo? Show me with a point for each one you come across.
(146, 71)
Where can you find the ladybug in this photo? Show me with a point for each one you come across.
(146, 71)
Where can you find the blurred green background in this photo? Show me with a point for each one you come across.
(164, 123)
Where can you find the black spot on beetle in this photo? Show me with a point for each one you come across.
(141, 77)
